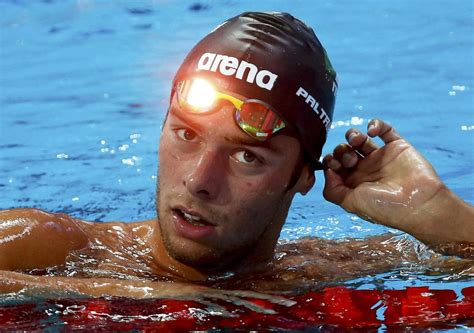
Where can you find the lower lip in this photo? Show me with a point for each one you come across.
(189, 230)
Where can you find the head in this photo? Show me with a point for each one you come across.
(249, 113)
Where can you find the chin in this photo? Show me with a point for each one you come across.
(197, 255)
(204, 257)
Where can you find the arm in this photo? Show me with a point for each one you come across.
(342, 259)
(13, 282)
(394, 185)
(56, 286)
(31, 238)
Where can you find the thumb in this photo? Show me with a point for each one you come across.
(334, 189)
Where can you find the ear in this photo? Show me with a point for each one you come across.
(306, 180)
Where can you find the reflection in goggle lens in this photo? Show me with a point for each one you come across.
(254, 117)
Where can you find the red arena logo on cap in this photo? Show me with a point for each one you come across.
(230, 66)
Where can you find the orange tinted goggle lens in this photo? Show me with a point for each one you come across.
(253, 116)
(258, 120)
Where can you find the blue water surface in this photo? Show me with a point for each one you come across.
(84, 89)
(85, 85)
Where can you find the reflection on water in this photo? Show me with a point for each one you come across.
(327, 310)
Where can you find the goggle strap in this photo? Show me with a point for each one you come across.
(235, 101)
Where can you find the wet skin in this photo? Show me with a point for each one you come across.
(113, 251)
(396, 186)
(238, 187)
(208, 168)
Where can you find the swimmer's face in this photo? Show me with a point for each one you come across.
(223, 195)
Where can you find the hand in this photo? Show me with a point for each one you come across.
(389, 185)
(207, 296)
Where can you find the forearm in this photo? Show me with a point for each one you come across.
(97, 287)
(55, 286)
(446, 223)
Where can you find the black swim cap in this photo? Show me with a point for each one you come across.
(275, 58)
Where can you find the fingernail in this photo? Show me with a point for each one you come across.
(352, 136)
(348, 160)
(371, 125)
(333, 164)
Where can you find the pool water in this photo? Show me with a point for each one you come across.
(84, 88)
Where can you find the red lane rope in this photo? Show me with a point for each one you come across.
(338, 306)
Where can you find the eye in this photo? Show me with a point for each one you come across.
(186, 134)
(246, 157)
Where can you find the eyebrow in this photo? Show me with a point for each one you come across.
(245, 141)
(251, 142)
(189, 122)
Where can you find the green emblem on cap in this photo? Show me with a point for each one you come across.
(328, 65)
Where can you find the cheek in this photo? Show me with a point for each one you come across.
(169, 161)
(168, 172)
(266, 187)
(250, 218)
(256, 198)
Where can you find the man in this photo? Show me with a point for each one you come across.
(248, 117)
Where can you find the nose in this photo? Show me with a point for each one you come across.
(204, 179)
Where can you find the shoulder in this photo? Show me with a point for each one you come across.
(64, 223)
(141, 229)
(31, 218)
(38, 225)
(32, 238)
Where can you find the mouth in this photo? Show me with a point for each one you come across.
(191, 224)
(192, 217)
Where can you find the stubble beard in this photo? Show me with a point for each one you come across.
(212, 259)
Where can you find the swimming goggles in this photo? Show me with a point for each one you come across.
(253, 116)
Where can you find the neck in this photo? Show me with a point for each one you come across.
(171, 268)
(262, 252)
(167, 265)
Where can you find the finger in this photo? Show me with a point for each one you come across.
(332, 163)
(334, 189)
(346, 156)
(214, 307)
(385, 131)
(335, 166)
(250, 305)
(360, 142)
(272, 298)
